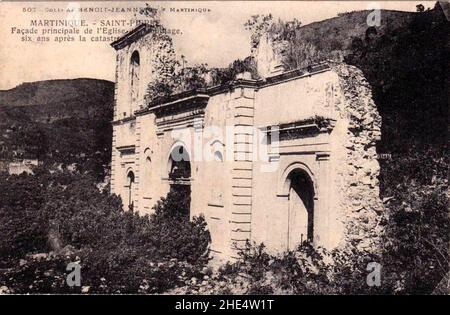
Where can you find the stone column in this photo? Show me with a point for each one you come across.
(242, 173)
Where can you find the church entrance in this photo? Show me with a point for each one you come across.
(180, 180)
(301, 209)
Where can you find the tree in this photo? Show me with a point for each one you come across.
(258, 25)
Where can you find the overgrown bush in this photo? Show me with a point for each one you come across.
(65, 217)
(196, 77)
(21, 227)
(417, 235)
(306, 270)
(174, 235)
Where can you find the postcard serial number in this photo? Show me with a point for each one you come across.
(252, 304)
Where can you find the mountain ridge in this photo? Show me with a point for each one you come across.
(65, 121)
(50, 91)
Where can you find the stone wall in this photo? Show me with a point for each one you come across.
(240, 200)
(301, 99)
(358, 167)
(353, 197)
(137, 132)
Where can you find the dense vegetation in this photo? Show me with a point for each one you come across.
(52, 218)
(407, 69)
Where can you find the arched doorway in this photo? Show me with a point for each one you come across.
(180, 179)
(301, 209)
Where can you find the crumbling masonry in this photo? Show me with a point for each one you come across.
(282, 159)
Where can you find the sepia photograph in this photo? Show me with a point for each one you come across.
(240, 149)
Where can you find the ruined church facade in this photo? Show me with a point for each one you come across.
(283, 159)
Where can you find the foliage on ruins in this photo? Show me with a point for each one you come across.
(52, 218)
(177, 79)
(173, 74)
(258, 25)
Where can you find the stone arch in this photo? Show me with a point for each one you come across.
(297, 186)
(214, 150)
(130, 186)
(147, 155)
(175, 155)
(146, 173)
(284, 181)
(179, 176)
(301, 208)
(218, 156)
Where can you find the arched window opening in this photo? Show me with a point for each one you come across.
(147, 174)
(134, 76)
(130, 178)
(179, 177)
(180, 166)
(301, 209)
(218, 156)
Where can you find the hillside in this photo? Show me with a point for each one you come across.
(58, 98)
(51, 91)
(404, 59)
(61, 121)
(335, 35)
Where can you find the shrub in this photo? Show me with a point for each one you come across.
(417, 234)
(38, 276)
(119, 251)
(302, 271)
(306, 270)
(21, 226)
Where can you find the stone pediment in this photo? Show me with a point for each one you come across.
(127, 149)
(302, 128)
(132, 36)
(186, 110)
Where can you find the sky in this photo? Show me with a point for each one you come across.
(215, 35)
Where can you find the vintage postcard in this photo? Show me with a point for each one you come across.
(224, 147)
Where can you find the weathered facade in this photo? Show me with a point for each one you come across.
(282, 159)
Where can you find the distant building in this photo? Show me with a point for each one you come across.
(283, 159)
(18, 166)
